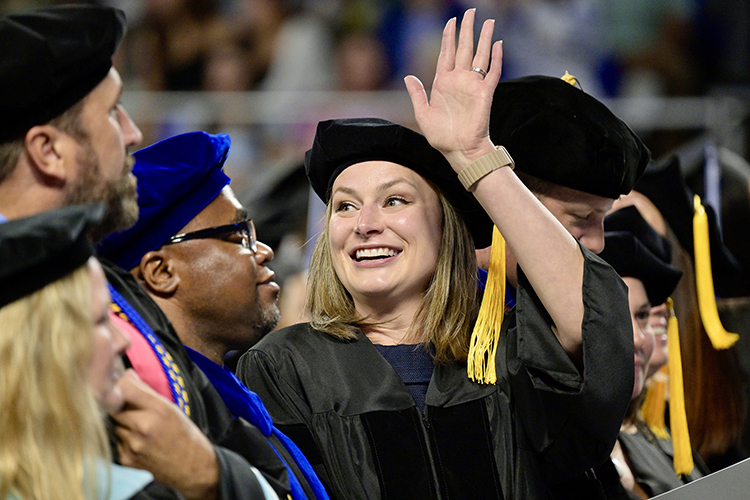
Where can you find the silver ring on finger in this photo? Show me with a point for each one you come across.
(480, 71)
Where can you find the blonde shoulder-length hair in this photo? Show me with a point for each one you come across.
(449, 306)
(52, 429)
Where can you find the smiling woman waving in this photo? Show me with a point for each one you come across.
(375, 388)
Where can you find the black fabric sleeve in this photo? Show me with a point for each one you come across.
(237, 481)
(157, 491)
(566, 410)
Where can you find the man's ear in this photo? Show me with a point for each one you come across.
(50, 153)
(158, 274)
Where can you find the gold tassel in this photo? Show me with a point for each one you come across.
(720, 338)
(568, 78)
(655, 404)
(683, 451)
(483, 345)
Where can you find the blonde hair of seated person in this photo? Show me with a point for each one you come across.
(51, 426)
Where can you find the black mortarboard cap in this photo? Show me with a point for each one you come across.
(630, 219)
(38, 250)
(630, 258)
(664, 184)
(558, 133)
(339, 144)
(51, 58)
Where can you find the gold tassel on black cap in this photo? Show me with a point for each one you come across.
(484, 338)
(655, 403)
(704, 283)
(683, 451)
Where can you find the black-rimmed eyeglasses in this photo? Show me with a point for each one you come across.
(244, 230)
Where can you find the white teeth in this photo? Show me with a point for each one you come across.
(375, 253)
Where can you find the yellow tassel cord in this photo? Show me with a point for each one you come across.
(568, 78)
(655, 404)
(484, 338)
(720, 338)
(683, 452)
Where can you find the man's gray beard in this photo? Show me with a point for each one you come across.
(270, 318)
(119, 196)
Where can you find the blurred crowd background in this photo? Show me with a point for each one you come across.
(266, 71)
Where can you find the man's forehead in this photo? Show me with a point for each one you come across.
(224, 209)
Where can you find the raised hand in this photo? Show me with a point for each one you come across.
(455, 118)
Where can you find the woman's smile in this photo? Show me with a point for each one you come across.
(375, 254)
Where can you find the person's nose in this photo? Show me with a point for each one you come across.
(369, 221)
(264, 253)
(593, 238)
(132, 135)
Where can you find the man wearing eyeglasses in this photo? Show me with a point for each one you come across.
(195, 253)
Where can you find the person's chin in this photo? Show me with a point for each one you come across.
(271, 317)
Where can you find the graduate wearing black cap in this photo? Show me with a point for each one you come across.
(389, 389)
(572, 152)
(577, 158)
(63, 133)
(61, 361)
(64, 139)
(716, 393)
(652, 463)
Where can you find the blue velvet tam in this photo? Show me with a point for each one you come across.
(177, 178)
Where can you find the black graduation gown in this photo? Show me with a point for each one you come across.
(238, 444)
(545, 421)
(651, 462)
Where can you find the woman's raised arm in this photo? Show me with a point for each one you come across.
(455, 119)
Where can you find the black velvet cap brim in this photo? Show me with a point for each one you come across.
(38, 250)
(339, 144)
(630, 219)
(51, 59)
(560, 134)
(664, 184)
(630, 258)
